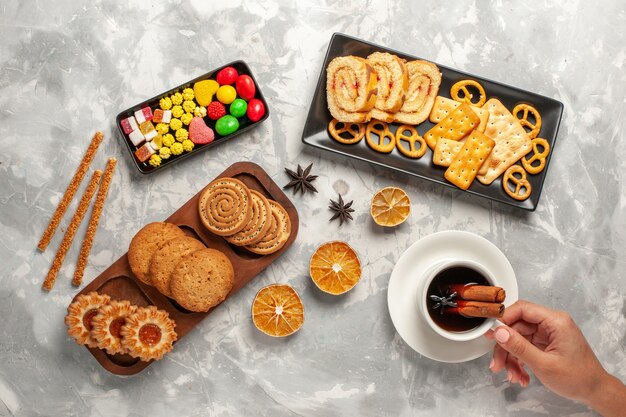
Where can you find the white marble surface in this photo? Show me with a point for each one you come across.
(68, 67)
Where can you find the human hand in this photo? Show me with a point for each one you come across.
(553, 347)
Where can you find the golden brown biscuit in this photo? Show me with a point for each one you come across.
(225, 206)
(511, 139)
(456, 126)
(527, 110)
(444, 106)
(202, 280)
(463, 86)
(148, 333)
(259, 222)
(167, 257)
(80, 316)
(145, 243)
(467, 161)
(107, 324)
(445, 151)
(277, 235)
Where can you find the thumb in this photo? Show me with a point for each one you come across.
(517, 345)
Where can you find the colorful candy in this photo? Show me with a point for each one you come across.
(227, 125)
(204, 91)
(227, 76)
(148, 130)
(216, 110)
(165, 103)
(226, 94)
(167, 116)
(238, 107)
(136, 137)
(199, 132)
(145, 114)
(129, 124)
(144, 152)
(256, 109)
(155, 160)
(245, 87)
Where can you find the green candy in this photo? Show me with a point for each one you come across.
(238, 107)
(226, 125)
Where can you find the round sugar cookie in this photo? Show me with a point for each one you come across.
(167, 256)
(277, 235)
(225, 206)
(259, 222)
(202, 279)
(145, 243)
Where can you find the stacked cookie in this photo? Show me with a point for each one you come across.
(244, 217)
(382, 87)
(119, 327)
(180, 266)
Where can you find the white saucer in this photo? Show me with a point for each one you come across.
(410, 268)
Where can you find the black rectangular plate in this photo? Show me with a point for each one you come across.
(245, 123)
(316, 134)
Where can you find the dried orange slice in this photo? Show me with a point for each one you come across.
(335, 267)
(277, 310)
(390, 206)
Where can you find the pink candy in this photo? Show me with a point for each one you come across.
(199, 132)
(129, 124)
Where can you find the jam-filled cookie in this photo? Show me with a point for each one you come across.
(107, 324)
(80, 315)
(148, 333)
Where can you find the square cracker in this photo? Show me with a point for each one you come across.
(444, 106)
(467, 161)
(445, 149)
(512, 141)
(455, 126)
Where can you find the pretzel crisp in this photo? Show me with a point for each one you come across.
(354, 132)
(71, 190)
(381, 131)
(411, 138)
(522, 186)
(535, 128)
(467, 96)
(536, 156)
(103, 191)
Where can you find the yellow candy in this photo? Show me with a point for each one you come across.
(162, 128)
(155, 160)
(176, 124)
(204, 91)
(226, 94)
(158, 141)
(199, 111)
(165, 103)
(186, 118)
(164, 152)
(187, 145)
(168, 140)
(182, 134)
(177, 98)
(177, 111)
(188, 94)
(176, 148)
(189, 106)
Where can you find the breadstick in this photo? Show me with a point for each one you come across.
(71, 231)
(71, 190)
(93, 222)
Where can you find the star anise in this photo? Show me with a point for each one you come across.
(301, 180)
(446, 301)
(342, 210)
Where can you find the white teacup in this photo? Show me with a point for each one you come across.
(422, 303)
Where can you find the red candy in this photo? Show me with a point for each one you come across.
(215, 110)
(245, 87)
(256, 110)
(227, 76)
(147, 113)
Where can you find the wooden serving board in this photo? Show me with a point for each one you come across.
(119, 282)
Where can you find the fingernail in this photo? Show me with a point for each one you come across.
(493, 362)
(510, 376)
(502, 335)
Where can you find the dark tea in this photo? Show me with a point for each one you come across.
(440, 287)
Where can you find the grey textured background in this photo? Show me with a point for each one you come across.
(67, 68)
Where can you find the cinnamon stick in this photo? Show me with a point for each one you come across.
(476, 309)
(479, 293)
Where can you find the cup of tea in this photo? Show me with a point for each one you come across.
(437, 281)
